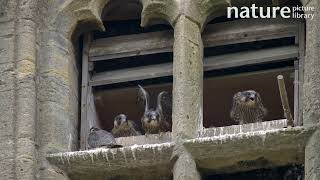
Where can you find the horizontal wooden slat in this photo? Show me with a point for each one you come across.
(240, 31)
(248, 30)
(211, 63)
(132, 74)
(250, 57)
(131, 45)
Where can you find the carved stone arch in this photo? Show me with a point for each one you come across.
(157, 11)
(210, 9)
(75, 12)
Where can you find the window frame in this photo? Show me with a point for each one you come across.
(225, 33)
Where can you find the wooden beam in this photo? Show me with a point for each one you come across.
(211, 63)
(284, 100)
(84, 91)
(131, 45)
(302, 46)
(250, 57)
(247, 30)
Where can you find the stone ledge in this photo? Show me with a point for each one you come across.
(236, 129)
(145, 139)
(133, 160)
(221, 150)
(249, 150)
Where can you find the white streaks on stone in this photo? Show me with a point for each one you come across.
(124, 155)
(133, 151)
(95, 154)
(113, 152)
(226, 137)
(91, 156)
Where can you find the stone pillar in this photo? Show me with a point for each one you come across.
(187, 93)
(26, 89)
(311, 89)
(58, 101)
(185, 168)
(187, 79)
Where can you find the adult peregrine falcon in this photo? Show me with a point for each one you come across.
(156, 120)
(247, 107)
(100, 138)
(123, 127)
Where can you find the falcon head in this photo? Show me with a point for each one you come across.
(119, 120)
(248, 98)
(94, 129)
(151, 117)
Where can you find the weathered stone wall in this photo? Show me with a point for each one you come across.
(7, 89)
(311, 89)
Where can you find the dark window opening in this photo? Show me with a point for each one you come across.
(219, 91)
(127, 27)
(115, 74)
(295, 172)
(131, 62)
(220, 84)
(112, 100)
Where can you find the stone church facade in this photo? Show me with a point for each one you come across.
(40, 97)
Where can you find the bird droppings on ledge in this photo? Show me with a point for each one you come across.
(103, 160)
(236, 129)
(240, 143)
(222, 138)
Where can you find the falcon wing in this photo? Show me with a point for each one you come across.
(164, 106)
(143, 98)
(235, 110)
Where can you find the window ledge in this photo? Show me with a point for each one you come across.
(136, 159)
(145, 139)
(252, 148)
(222, 150)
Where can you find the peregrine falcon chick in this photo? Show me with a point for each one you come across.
(101, 138)
(156, 120)
(123, 127)
(247, 107)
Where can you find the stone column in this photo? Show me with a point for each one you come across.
(185, 168)
(311, 89)
(26, 89)
(187, 79)
(187, 93)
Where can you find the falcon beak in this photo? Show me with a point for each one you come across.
(252, 97)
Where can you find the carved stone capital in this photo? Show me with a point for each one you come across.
(170, 10)
(155, 11)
